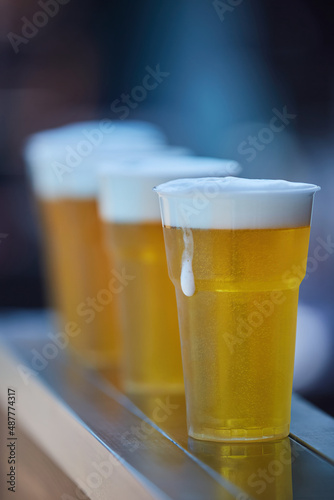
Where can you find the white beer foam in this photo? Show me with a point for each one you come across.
(105, 134)
(235, 203)
(231, 203)
(82, 181)
(187, 279)
(63, 161)
(126, 191)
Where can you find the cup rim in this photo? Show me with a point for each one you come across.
(186, 187)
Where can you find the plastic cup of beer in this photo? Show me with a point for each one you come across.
(232, 247)
(63, 169)
(130, 212)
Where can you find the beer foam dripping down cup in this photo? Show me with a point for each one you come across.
(130, 212)
(228, 203)
(140, 180)
(187, 276)
(238, 310)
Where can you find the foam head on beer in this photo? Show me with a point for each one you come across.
(62, 161)
(231, 203)
(125, 191)
(235, 203)
(105, 134)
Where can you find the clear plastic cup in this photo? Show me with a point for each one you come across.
(232, 246)
(63, 166)
(130, 212)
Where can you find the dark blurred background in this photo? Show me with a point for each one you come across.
(229, 68)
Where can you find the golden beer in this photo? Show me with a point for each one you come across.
(83, 283)
(57, 256)
(130, 211)
(230, 244)
(149, 314)
(239, 328)
(79, 270)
